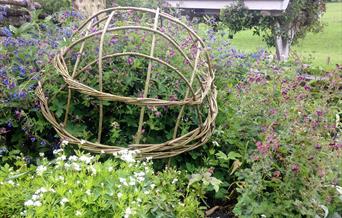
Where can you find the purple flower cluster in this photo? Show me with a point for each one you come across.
(3, 13)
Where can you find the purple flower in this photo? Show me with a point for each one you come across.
(262, 148)
(6, 32)
(318, 146)
(295, 168)
(158, 114)
(307, 88)
(33, 139)
(319, 113)
(130, 60)
(114, 40)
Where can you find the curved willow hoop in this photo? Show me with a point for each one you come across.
(204, 94)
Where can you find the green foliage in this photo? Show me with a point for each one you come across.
(137, 3)
(300, 17)
(51, 6)
(294, 147)
(80, 185)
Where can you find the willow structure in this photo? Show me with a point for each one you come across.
(196, 97)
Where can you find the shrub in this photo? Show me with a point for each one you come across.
(294, 149)
(80, 185)
(24, 53)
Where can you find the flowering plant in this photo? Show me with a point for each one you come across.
(80, 185)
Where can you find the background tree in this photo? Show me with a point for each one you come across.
(279, 30)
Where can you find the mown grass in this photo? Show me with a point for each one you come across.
(315, 48)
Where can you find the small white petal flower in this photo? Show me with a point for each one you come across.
(41, 154)
(110, 169)
(128, 212)
(64, 142)
(10, 182)
(63, 157)
(61, 178)
(73, 158)
(78, 213)
(28, 203)
(119, 195)
(37, 204)
(41, 169)
(35, 197)
(76, 167)
(174, 181)
(83, 142)
(86, 159)
(63, 201)
(57, 151)
(88, 192)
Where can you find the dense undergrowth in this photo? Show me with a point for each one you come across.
(276, 150)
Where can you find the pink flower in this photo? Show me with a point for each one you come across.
(130, 60)
(295, 168)
(157, 113)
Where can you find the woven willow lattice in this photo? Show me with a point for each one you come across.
(199, 92)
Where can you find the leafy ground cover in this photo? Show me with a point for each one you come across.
(276, 150)
(315, 48)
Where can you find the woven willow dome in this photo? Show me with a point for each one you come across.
(194, 102)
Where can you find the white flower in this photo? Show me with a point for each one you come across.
(123, 181)
(119, 195)
(174, 181)
(78, 213)
(128, 212)
(73, 158)
(110, 169)
(127, 155)
(92, 169)
(63, 157)
(10, 182)
(23, 213)
(28, 203)
(64, 142)
(88, 192)
(37, 204)
(86, 159)
(102, 152)
(57, 151)
(41, 154)
(41, 169)
(139, 174)
(41, 190)
(32, 203)
(35, 197)
(61, 178)
(76, 166)
(63, 201)
(153, 185)
(83, 142)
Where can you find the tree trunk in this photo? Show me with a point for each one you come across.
(282, 48)
(283, 43)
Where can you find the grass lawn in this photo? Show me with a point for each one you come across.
(315, 47)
